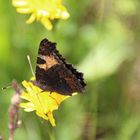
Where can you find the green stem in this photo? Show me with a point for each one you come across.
(51, 133)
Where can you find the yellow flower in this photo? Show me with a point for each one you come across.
(43, 102)
(42, 10)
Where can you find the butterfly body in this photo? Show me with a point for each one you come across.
(54, 74)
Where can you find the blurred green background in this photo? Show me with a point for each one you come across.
(101, 38)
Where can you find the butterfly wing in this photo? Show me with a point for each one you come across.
(54, 74)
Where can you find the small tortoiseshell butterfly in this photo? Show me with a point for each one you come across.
(54, 74)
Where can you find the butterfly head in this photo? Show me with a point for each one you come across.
(46, 47)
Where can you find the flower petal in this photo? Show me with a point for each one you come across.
(43, 11)
(19, 3)
(24, 10)
(46, 22)
(43, 102)
(28, 107)
(31, 19)
(51, 119)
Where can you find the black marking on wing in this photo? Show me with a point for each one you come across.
(40, 61)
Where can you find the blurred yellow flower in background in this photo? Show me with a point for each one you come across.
(43, 102)
(42, 10)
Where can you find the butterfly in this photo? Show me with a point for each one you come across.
(54, 74)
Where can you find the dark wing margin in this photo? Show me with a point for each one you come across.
(78, 75)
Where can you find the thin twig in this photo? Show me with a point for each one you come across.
(1, 138)
(13, 111)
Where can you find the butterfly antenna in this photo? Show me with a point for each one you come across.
(29, 60)
(3, 88)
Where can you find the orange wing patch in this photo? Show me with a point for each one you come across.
(50, 61)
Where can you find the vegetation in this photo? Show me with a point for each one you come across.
(101, 39)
